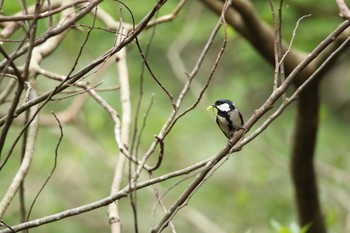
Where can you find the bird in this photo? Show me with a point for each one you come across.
(228, 117)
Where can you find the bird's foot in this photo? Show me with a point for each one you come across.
(241, 127)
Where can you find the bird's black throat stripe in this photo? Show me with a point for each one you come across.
(226, 115)
(230, 125)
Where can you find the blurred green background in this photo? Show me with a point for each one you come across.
(253, 186)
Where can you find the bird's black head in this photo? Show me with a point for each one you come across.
(224, 105)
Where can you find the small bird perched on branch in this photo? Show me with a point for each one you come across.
(228, 117)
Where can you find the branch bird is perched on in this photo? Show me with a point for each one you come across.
(228, 117)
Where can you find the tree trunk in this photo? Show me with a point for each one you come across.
(303, 172)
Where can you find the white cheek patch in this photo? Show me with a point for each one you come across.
(224, 107)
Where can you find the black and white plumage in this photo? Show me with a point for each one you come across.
(228, 118)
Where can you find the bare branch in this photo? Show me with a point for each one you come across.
(169, 17)
(343, 8)
(25, 165)
(113, 208)
(71, 80)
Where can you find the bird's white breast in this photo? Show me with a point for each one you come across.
(222, 122)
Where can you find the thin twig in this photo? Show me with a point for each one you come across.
(7, 226)
(52, 169)
(169, 17)
(277, 44)
(160, 156)
(292, 39)
(144, 121)
(153, 75)
(83, 44)
(76, 93)
(141, 86)
(282, 74)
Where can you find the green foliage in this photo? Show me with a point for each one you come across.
(292, 228)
